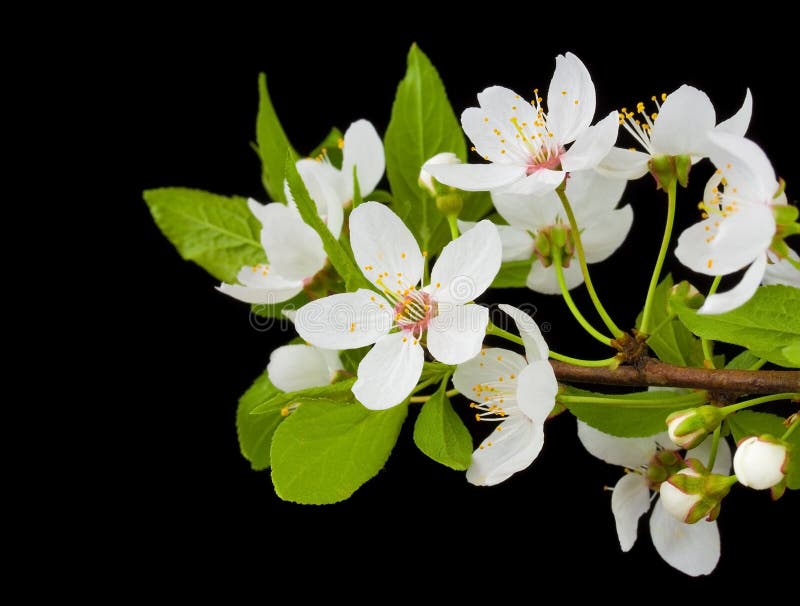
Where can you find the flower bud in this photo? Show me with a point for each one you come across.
(688, 428)
(692, 494)
(425, 178)
(449, 204)
(760, 462)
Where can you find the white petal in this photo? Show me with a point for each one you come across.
(740, 294)
(485, 368)
(535, 345)
(624, 164)
(456, 333)
(382, 244)
(605, 234)
(571, 83)
(322, 182)
(691, 548)
(722, 464)
(683, 123)
(389, 371)
(256, 208)
(261, 286)
(512, 449)
(476, 177)
(528, 212)
(293, 248)
(344, 321)
(780, 271)
(627, 452)
(295, 367)
(591, 193)
(363, 149)
(718, 246)
(629, 500)
(745, 166)
(543, 279)
(737, 124)
(537, 183)
(491, 127)
(536, 390)
(517, 244)
(467, 265)
(592, 145)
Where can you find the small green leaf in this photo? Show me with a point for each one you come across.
(477, 204)
(340, 259)
(513, 274)
(255, 431)
(440, 433)
(767, 324)
(218, 233)
(380, 195)
(275, 310)
(644, 416)
(743, 361)
(422, 125)
(746, 423)
(435, 371)
(792, 353)
(329, 148)
(340, 390)
(326, 450)
(271, 142)
(351, 358)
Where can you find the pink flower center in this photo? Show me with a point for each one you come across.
(414, 312)
(547, 157)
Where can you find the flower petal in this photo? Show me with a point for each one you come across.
(592, 145)
(624, 164)
(517, 244)
(745, 166)
(389, 371)
(384, 248)
(506, 452)
(261, 286)
(321, 181)
(467, 265)
(738, 295)
(456, 333)
(718, 246)
(543, 279)
(683, 123)
(629, 500)
(536, 390)
(257, 208)
(627, 452)
(492, 130)
(293, 248)
(537, 183)
(476, 177)
(691, 548)
(737, 124)
(298, 366)
(528, 212)
(344, 321)
(591, 193)
(535, 346)
(602, 236)
(570, 99)
(363, 149)
(702, 452)
(780, 271)
(484, 369)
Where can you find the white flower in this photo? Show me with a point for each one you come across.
(679, 127)
(361, 148)
(738, 222)
(679, 504)
(691, 548)
(527, 147)
(603, 227)
(781, 271)
(517, 393)
(425, 179)
(397, 320)
(759, 463)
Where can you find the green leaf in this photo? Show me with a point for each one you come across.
(218, 233)
(645, 414)
(326, 450)
(380, 195)
(351, 358)
(513, 274)
(271, 143)
(673, 343)
(440, 433)
(743, 361)
(422, 125)
(792, 353)
(340, 390)
(339, 257)
(477, 204)
(255, 431)
(329, 147)
(767, 324)
(275, 310)
(746, 423)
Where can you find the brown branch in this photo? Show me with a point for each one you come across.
(655, 372)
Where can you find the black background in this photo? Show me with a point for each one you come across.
(178, 108)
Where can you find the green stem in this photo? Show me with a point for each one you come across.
(662, 254)
(496, 331)
(576, 236)
(757, 365)
(571, 304)
(792, 427)
(420, 399)
(640, 402)
(452, 221)
(708, 354)
(714, 446)
(491, 329)
(791, 395)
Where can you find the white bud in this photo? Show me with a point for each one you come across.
(425, 178)
(677, 502)
(759, 463)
